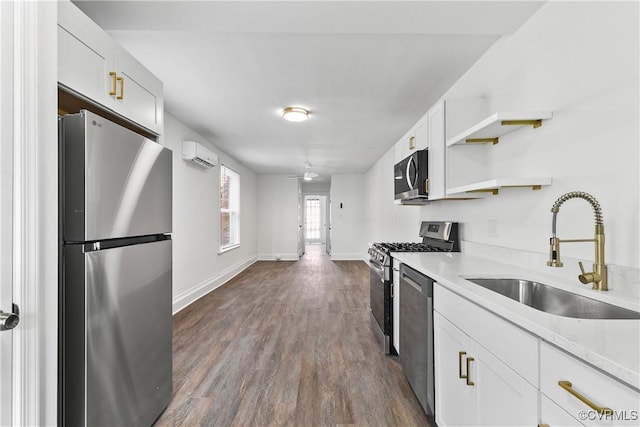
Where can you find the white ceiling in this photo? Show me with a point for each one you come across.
(367, 70)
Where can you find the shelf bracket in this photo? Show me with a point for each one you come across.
(493, 191)
(533, 187)
(494, 141)
(535, 123)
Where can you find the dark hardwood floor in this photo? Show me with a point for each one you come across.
(287, 343)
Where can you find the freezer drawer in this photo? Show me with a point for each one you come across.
(115, 182)
(117, 327)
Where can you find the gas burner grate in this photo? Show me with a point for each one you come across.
(440, 246)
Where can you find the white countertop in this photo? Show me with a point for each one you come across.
(611, 345)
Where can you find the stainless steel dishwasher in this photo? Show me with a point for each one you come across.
(416, 335)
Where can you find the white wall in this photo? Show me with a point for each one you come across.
(579, 60)
(386, 221)
(348, 239)
(197, 266)
(277, 217)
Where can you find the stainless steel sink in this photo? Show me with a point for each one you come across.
(555, 301)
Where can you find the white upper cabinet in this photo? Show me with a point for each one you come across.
(421, 140)
(141, 93)
(84, 55)
(414, 140)
(400, 149)
(436, 125)
(436, 136)
(93, 65)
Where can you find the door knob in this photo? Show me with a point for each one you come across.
(9, 320)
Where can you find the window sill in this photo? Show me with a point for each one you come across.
(228, 248)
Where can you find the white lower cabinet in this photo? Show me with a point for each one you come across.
(585, 393)
(489, 372)
(456, 403)
(504, 397)
(554, 416)
(396, 305)
(473, 387)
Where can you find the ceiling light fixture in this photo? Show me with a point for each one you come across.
(295, 114)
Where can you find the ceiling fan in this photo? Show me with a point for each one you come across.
(307, 176)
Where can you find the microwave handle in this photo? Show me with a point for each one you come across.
(407, 175)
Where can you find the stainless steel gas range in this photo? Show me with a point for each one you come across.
(436, 237)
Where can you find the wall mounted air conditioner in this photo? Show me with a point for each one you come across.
(198, 154)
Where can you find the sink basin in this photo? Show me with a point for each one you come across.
(555, 301)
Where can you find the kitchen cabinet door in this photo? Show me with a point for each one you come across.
(84, 55)
(141, 92)
(421, 140)
(504, 398)
(93, 65)
(436, 141)
(455, 400)
(473, 387)
(553, 415)
(404, 145)
(594, 386)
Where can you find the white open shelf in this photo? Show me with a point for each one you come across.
(492, 127)
(494, 185)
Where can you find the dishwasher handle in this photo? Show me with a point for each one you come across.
(418, 281)
(409, 281)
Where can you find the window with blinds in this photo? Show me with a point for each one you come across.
(229, 209)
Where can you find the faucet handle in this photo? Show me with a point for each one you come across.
(586, 278)
(581, 267)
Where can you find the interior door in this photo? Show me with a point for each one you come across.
(312, 220)
(329, 227)
(300, 225)
(6, 208)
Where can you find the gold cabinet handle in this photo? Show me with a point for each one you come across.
(469, 360)
(544, 425)
(113, 83)
(392, 290)
(599, 409)
(121, 80)
(411, 143)
(460, 354)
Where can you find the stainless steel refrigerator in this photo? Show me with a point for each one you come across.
(115, 284)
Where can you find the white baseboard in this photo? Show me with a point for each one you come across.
(191, 295)
(346, 257)
(278, 257)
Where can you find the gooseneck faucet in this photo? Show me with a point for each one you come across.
(599, 274)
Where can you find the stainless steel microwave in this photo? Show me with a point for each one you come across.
(411, 178)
